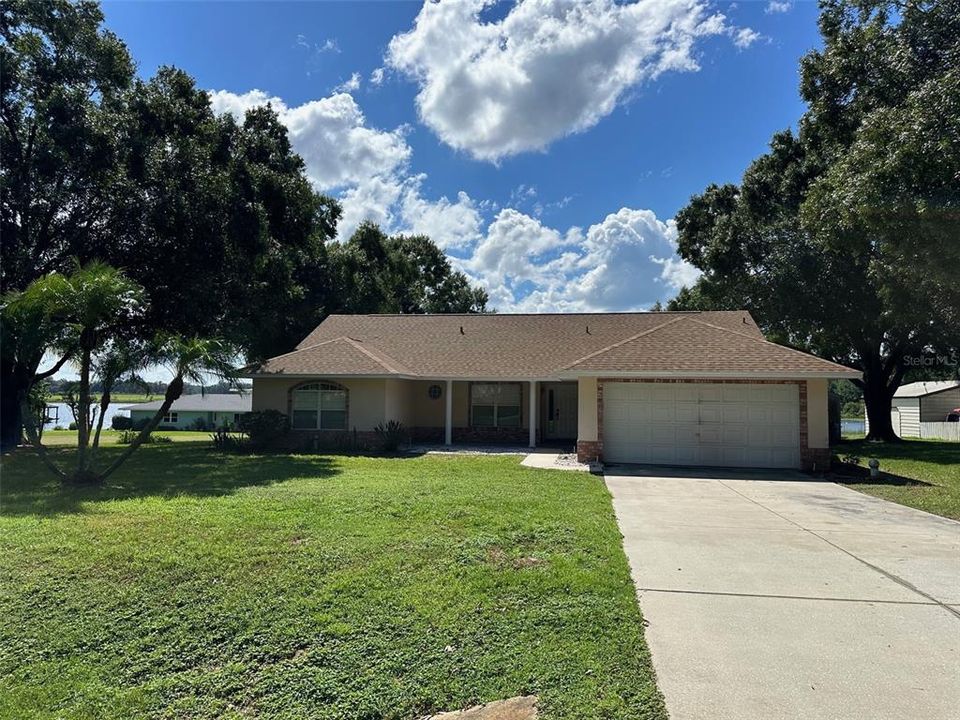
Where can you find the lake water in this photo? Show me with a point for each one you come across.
(61, 415)
(853, 427)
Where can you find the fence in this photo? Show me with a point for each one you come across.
(940, 431)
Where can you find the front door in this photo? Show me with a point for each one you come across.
(559, 411)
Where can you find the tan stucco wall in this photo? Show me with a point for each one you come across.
(818, 418)
(367, 398)
(397, 399)
(373, 401)
(587, 409)
(427, 412)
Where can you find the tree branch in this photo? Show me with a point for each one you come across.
(52, 371)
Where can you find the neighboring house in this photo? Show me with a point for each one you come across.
(214, 410)
(928, 402)
(682, 388)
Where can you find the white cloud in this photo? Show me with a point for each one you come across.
(350, 85)
(450, 224)
(331, 135)
(547, 69)
(626, 261)
(745, 37)
(778, 6)
(376, 77)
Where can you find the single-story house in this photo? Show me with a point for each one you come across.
(190, 411)
(929, 401)
(678, 388)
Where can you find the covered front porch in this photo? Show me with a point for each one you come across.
(442, 411)
(512, 413)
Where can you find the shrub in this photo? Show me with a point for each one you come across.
(265, 428)
(72, 426)
(226, 441)
(139, 424)
(391, 435)
(121, 422)
(199, 424)
(128, 436)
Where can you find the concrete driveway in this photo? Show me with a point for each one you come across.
(773, 596)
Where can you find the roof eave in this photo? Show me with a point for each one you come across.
(719, 374)
(301, 376)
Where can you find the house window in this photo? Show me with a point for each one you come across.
(171, 418)
(320, 406)
(495, 405)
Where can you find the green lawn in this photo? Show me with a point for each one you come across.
(936, 465)
(109, 437)
(117, 397)
(197, 585)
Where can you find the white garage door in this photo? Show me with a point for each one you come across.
(729, 425)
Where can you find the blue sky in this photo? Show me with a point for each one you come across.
(546, 146)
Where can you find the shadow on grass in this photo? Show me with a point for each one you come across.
(160, 471)
(847, 474)
(929, 451)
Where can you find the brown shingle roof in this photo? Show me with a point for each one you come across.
(538, 346)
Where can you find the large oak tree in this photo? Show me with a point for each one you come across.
(844, 239)
(215, 218)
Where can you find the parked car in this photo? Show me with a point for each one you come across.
(953, 415)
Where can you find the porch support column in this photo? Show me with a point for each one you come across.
(532, 413)
(448, 421)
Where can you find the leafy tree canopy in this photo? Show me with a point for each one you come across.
(214, 218)
(842, 239)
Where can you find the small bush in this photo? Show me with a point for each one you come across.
(139, 424)
(121, 422)
(72, 426)
(391, 435)
(128, 436)
(226, 441)
(265, 428)
(200, 425)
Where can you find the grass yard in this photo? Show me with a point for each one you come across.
(117, 397)
(54, 438)
(197, 585)
(935, 463)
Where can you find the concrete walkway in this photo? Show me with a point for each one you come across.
(773, 596)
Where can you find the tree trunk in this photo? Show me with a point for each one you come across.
(881, 378)
(174, 391)
(34, 437)
(13, 389)
(878, 398)
(83, 417)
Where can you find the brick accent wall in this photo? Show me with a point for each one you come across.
(589, 450)
(340, 440)
(810, 458)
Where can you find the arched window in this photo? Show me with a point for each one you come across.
(320, 406)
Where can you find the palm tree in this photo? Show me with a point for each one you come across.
(192, 359)
(89, 318)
